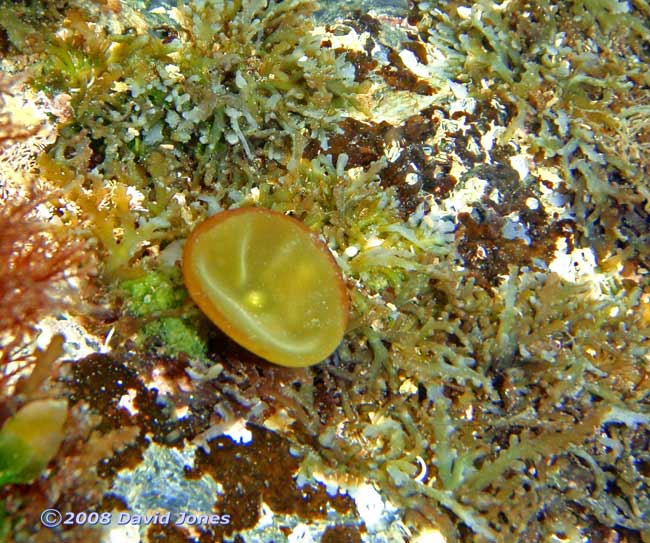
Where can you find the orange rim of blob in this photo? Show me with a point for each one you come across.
(269, 283)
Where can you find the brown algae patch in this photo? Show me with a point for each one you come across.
(264, 471)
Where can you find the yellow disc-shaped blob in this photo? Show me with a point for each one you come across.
(269, 283)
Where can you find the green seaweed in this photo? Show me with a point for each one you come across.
(174, 335)
(153, 293)
(157, 299)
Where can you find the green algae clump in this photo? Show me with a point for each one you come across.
(267, 283)
(157, 298)
(153, 292)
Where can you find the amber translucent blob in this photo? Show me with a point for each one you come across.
(269, 283)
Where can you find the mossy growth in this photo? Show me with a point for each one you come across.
(156, 299)
(173, 336)
(153, 293)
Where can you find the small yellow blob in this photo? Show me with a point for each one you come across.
(269, 283)
(255, 299)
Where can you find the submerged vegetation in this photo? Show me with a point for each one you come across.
(480, 175)
(39, 260)
(171, 125)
